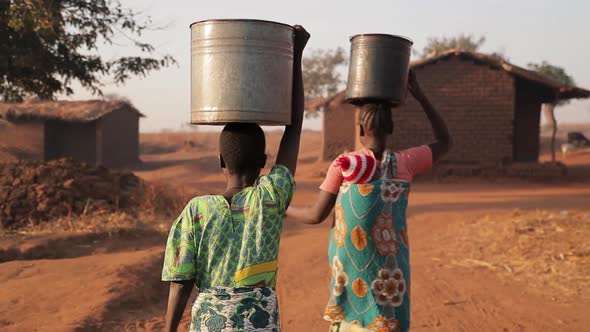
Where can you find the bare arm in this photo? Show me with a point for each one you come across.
(443, 142)
(317, 213)
(180, 291)
(289, 147)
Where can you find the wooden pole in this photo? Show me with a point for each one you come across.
(549, 113)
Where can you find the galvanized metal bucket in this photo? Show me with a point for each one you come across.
(378, 71)
(241, 71)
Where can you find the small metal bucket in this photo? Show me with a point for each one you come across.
(241, 71)
(378, 69)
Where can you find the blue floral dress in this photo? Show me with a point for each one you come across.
(369, 254)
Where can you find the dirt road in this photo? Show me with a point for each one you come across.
(110, 282)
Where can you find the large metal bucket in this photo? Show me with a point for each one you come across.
(378, 69)
(241, 71)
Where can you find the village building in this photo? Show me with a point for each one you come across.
(98, 132)
(492, 108)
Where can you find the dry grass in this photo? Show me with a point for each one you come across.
(548, 251)
(159, 202)
(158, 205)
(163, 200)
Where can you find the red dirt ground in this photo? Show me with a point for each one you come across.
(109, 281)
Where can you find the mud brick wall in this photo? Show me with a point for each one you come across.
(338, 134)
(476, 101)
(112, 141)
(23, 139)
(70, 140)
(118, 139)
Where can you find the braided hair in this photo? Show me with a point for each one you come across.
(375, 118)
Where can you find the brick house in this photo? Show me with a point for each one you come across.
(492, 109)
(97, 132)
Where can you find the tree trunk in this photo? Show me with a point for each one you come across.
(549, 114)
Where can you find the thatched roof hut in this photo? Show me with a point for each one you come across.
(95, 131)
(68, 111)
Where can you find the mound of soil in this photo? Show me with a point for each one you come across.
(33, 191)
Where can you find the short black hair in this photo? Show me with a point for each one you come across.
(242, 147)
(376, 118)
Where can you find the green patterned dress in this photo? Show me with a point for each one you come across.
(231, 252)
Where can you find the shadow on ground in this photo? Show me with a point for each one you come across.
(79, 245)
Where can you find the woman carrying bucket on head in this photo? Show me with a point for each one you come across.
(369, 249)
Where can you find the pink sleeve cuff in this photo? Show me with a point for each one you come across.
(333, 180)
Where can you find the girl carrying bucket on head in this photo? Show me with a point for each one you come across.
(227, 245)
(369, 249)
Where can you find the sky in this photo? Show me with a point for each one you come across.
(524, 30)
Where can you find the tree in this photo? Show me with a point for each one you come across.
(560, 75)
(321, 76)
(553, 72)
(116, 96)
(437, 45)
(46, 45)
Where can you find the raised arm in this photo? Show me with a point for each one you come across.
(289, 148)
(443, 142)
